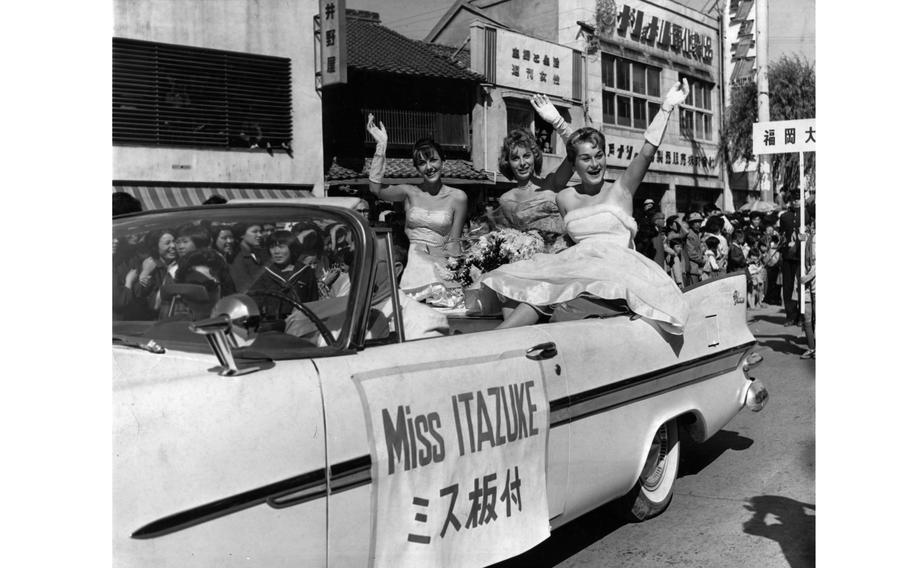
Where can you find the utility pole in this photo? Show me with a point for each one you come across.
(764, 104)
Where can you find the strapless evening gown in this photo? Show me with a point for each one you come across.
(539, 212)
(427, 230)
(603, 263)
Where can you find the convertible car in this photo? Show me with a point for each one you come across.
(275, 426)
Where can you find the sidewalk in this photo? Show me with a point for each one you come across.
(767, 325)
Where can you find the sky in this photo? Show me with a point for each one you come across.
(791, 22)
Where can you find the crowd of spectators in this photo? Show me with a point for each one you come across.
(707, 243)
(180, 273)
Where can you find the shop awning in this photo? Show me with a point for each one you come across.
(168, 196)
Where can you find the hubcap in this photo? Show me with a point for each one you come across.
(655, 464)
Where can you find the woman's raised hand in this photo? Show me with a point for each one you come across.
(545, 108)
(677, 94)
(377, 132)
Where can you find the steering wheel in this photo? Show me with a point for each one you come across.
(320, 326)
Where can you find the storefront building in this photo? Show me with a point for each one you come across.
(617, 61)
(215, 98)
(416, 90)
(515, 67)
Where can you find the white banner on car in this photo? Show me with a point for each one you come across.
(459, 460)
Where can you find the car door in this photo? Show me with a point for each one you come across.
(525, 351)
(210, 470)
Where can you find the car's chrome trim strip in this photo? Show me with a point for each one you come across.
(279, 494)
(601, 399)
(356, 472)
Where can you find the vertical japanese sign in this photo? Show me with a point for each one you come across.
(783, 136)
(333, 33)
(459, 460)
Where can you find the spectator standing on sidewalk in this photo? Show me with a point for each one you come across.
(809, 282)
(789, 247)
(694, 249)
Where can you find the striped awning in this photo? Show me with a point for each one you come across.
(165, 197)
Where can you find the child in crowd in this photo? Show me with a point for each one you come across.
(757, 274)
(712, 267)
(673, 260)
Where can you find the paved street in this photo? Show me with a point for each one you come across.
(745, 498)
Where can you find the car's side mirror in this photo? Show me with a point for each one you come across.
(234, 323)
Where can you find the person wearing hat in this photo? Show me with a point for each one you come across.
(694, 249)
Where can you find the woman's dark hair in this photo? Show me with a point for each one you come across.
(216, 230)
(675, 241)
(285, 238)
(518, 138)
(240, 229)
(424, 148)
(584, 134)
(713, 225)
(151, 240)
(197, 233)
(712, 243)
(200, 257)
(312, 244)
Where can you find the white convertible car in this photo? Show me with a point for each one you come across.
(280, 429)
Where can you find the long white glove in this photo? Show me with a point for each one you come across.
(377, 166)
(655, 132)
(548, 112)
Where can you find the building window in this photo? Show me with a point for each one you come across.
(179, 96)
(631, 92)
(520, 114)
(695, 117)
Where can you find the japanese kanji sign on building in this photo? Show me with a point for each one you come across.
(458, 461)
(533, 65)
(334, 41)
(651, 30)
(783, 136)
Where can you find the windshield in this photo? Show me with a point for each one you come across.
(296, 263)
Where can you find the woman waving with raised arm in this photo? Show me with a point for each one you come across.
(604, 263)
(434, 213)
(531, 204)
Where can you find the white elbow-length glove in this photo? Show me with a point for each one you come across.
(377, 165)
(655, 132)
(548, 112)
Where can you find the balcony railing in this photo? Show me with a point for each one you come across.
(408, 126)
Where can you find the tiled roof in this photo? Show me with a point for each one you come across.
(461, 57)
(373, 47)
(403, 168)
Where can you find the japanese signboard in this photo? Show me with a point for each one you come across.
(783, 136)
(648, 29)
(333, 33)
(533, 65)
(669, 158)
(459, 460)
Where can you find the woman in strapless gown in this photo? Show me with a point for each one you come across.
(531, 204)
(434, 213)
(604, 262)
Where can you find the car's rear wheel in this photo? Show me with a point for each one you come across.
(654, 489)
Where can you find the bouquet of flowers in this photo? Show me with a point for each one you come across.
(491, 251)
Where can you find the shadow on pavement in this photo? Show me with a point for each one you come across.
(790, 344)
(697, 456)
(777, 319)
(567, 540)
(787, 521)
